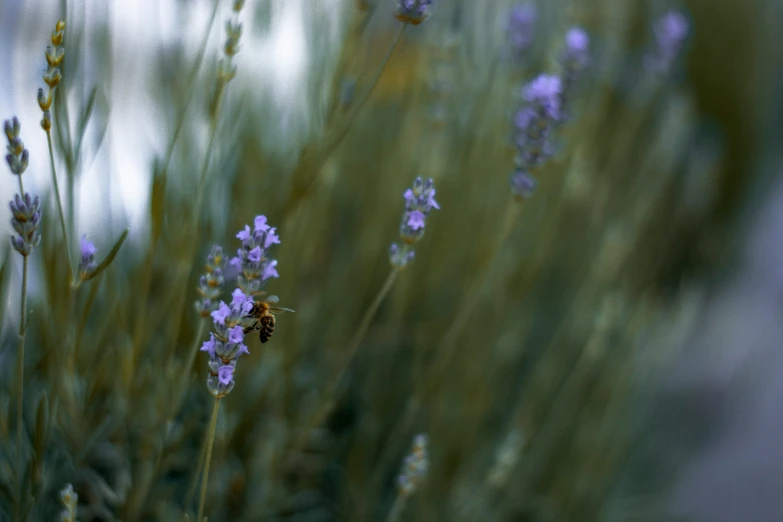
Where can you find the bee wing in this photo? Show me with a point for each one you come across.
(282, 310)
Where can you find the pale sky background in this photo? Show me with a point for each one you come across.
(273, 65)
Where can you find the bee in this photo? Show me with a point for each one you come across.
(263, 317)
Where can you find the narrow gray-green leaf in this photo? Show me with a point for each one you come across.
(109, 258)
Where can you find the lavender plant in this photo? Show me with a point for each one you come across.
(499, 328)
(26, 220)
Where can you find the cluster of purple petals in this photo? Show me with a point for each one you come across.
(87, 263)
(670, 32)
(521, 28)
(413, 11)
(226, 342)
(534, 125)
(25, 220)
(419, 202)
(211, 283)
(251, 261)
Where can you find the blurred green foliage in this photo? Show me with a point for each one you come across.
(525, 339)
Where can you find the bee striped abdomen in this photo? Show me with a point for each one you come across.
(266, 327)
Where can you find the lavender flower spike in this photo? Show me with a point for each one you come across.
(226, 343)
(26, 212)
(534, 125)
(252, 262)
(18, 157)
(419, 202)
(415, 465)
(521, 28)
(670, 32)
(574, 60)
(211, 283)
(413, 12)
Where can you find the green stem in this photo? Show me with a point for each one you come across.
(72, 275)
(20, 376)
(397, 507)
(191, 83)
(210, 443)
(327, 402)
(333, 138)
(446, 347)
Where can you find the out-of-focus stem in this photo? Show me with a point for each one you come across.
(446, 348)
(306, 173)
(327, 401)
(397, 507)
(20, 376)
(210, 443)
(191, 83)
(71, 273)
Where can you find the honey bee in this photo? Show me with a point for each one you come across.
(263, 317)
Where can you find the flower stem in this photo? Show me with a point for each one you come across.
(191, 89)
(309, 165)
(397, 507)
(20, 376)
(71, 275)
(327, 402)
(210, 442)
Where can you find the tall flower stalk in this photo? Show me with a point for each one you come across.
(54, 57)
(419, 203)
(232, 322)
(25, 221)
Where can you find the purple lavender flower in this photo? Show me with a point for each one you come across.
(574, 60)
(226, 343)
(419, 202)
(521, 28)
(231, 322)
(413, 12)
(536, 121)
(523, 184)
(18, 157)
(26, 212)
(670, 32)
(87, 261)
(251, 261)
(226, 375)
(211, 283)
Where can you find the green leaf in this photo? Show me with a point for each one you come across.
(109, 258)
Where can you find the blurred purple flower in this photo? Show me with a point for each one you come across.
(413, 11)
(670, 32)
(574, 61)
(521, 27)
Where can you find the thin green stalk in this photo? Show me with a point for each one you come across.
(397, 507)
(327, 401)
(332, 139)
(210, 443)
(191, 83)
(446, 348)
(20, 375)
(72, 274)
